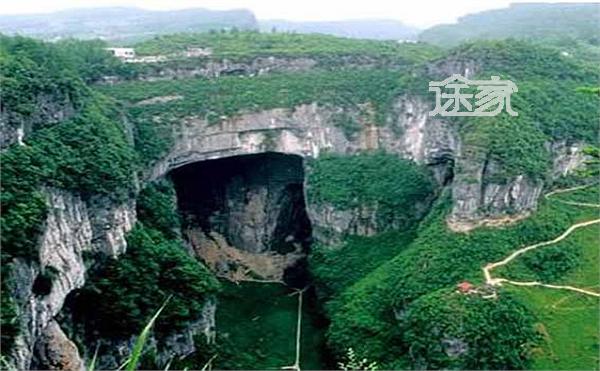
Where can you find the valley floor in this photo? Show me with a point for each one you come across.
(259, 319)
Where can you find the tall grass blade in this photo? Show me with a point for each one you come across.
(141, 340)
(92, 365)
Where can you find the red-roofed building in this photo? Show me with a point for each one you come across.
(465, 287)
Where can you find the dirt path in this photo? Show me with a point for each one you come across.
(498, 281)
(296, 365)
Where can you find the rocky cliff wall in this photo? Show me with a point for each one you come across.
(50, 109)
(308, 130)
(73, 229)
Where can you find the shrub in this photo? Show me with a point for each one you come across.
(122, 297)
(383, 181)
(446, 329)
(156, 207)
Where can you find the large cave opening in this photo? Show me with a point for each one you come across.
(245, 216)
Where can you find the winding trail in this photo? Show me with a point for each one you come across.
(487, 270)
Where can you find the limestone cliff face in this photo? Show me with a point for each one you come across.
(478, 196)
(55, 351)
(72, 229)
(255, 201)
(308, 130)
(478, 199)
(217, 68)
(159, 68)
(50, 109)
(566, 157)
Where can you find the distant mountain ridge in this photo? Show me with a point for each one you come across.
(558, 22)
(124, 23)
(377, 29)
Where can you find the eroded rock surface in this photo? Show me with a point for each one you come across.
(72, 229)
(54, 351)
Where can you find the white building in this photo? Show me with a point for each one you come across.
(122, 53)
(197, 52)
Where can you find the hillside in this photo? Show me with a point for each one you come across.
(572, 27)
(360, 29)
(289, 197)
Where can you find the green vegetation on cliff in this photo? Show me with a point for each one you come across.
(87, 152)
(75, 143)
(543, 76)
(88, 155)
(549, 104)
(122, 296)
(384, 182)
(120, 299)
(395, 289)
(217, 99)
(33, 73)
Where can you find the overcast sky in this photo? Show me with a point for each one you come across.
(419, 13)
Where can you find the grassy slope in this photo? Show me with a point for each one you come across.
(258, 322)
(437, 258)
(569, 321)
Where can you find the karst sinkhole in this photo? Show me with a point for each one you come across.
(246, 218)
(253, 204)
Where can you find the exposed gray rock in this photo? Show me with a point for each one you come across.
(480, 199)
(182, 344)
(460, 65)
(213, 68)
(567, 157)
(308, 130)
(110, 224)
(330, 224)
(255, 202)
(71, 225)
(50, 109)
(455, 347)
(162, 67)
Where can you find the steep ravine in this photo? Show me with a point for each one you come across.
(74, 227)
(303, 132)
(245, 218)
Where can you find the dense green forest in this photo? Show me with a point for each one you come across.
(391, 296)
(254, 44)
